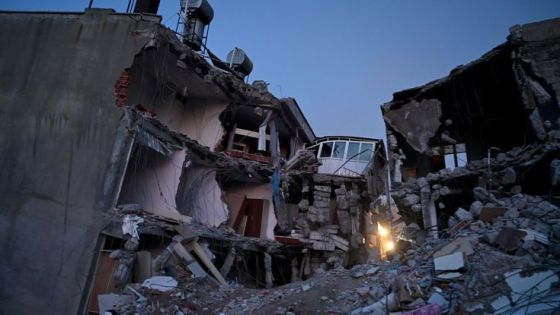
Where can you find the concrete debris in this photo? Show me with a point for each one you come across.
(500, 304)
(109, 303)
(537, 282)
(449, 262)
(475, 209)
(462, 214)
(372, 271)
(437, 298)
(461, 244)
(160, 283)
(232, 205)
(430, 309)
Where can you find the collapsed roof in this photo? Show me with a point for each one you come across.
(507, 98)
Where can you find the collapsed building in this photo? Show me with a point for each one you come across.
(132, 152)
(143, 174)
(491, 123)
(474, 169)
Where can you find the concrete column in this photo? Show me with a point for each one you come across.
(429, 215)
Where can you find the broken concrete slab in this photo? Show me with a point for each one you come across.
(437, 298)
(533, 284)
(451, 262)
(533, 235)
(475, 208)
(461, 244)
(500, 304)
(462, 214)
(420, 129)
(449, 275)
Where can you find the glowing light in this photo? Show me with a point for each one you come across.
(390, 245)
(381, 230)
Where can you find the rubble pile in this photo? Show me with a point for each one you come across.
(461, 193)
(455, 276)
(322, 201)
(501, 262)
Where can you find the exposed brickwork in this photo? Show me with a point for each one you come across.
(121, 89)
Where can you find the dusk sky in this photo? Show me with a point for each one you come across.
(342, 59)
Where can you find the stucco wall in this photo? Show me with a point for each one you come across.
(235, 196)
(198, 119)
(201, 196)
(57, 127)
(152, 179)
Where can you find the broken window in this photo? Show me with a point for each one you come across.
(353, 150)
(366, 152)
(455, 156)
(326, 149)
(450, 160)
(339, 148)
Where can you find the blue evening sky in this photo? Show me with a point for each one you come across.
(342, 59)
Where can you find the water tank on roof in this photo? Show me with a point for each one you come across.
(146, 6)
(197, 14)
(239, 62)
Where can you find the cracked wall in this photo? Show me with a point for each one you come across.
(54, 165)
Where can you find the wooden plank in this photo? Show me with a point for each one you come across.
(228, 262)
(254, 212)
(241, 229)
(239, 215)
(249, 133)
(103, 280)
(206, 261)
(142, 266)
(288, 240)
(192, 264)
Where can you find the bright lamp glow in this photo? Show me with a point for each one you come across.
(390, 245)
(381, 230)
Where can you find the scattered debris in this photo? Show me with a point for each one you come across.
(160, 283)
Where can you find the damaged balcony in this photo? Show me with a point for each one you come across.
(344, 156)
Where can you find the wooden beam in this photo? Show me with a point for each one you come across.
(249, 133)
(206, 261)
(192, 264)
